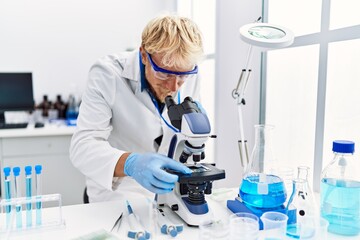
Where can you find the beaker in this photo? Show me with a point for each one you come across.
(274, 225)
(260, 188)
(244, 226)
(212, 229)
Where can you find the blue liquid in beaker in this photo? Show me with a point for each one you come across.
(340, 205)
(276, 193)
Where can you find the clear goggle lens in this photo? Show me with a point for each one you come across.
(166, 76)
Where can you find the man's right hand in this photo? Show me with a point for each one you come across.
(148, 170)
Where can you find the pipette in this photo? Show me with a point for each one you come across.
(28, 182)
(16, 171)
(136, 229)
(38, 169)
(166, 226)
(7, 171)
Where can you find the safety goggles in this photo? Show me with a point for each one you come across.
(164, 74)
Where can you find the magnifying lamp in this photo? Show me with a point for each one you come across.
(266, 37)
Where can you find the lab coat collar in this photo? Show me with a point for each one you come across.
(131, 69)
(134, 70)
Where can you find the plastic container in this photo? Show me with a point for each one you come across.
(274, 225)
(340, 191)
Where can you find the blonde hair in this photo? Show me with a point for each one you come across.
(177, 38)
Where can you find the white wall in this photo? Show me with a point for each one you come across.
(59, 40)
(230, 59)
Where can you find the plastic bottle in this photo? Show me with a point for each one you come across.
(340, 191)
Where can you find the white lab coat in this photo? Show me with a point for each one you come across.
(117, 117)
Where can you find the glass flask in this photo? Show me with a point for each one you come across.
(260, 188)
(302, 199)
(340, 191)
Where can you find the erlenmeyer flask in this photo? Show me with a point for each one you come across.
(302, 197)
(303, 201)
(259, 187)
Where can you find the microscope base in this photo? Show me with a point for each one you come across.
(238, 205)
(180, 206)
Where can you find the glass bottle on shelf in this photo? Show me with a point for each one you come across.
(72, 111)
(45, 105)
(60, 106)
(260, 188)
(340, 191)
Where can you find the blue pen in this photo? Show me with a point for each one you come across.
(18, 207)
(28, 182)
(7, 171)
(136, 229)
(38, 169)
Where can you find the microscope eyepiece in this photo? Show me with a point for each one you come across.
(169, 101)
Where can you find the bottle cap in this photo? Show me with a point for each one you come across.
(7, 171)
(16, 171)
(28, 170)
(38, 169)
(343, 146)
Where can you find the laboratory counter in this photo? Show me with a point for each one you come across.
(31, 131)
(84, 220)
(47, 146)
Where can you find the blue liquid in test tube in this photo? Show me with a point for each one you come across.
(38, 169)
(28, 182)
(18, 207)
(7, 172)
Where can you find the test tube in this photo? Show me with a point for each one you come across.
(38, 169)
(18, 207)
(28, 182)
(7, 171)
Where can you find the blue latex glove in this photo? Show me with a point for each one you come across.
(148, 170)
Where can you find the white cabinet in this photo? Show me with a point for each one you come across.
(51, 150)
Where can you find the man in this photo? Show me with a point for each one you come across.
(123, 131)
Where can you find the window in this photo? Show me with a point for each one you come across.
(312, 86)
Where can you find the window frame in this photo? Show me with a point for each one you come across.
(323, 38)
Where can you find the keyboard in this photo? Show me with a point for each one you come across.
(13, 125)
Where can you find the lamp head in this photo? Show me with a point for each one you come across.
(265, 35)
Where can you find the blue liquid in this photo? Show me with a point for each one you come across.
(28, 205)
(8, 195)
(71, 117)
(276, 192)
(340, 205)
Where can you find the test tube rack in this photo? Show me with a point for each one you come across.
(30, 213)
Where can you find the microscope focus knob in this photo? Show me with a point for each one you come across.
(175, 207)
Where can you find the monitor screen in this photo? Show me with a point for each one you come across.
(16, 92)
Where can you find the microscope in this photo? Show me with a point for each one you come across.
(188, 197)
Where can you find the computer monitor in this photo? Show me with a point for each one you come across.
(16, 93)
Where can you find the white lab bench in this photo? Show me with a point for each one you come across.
(83, 219)
(48, 146)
